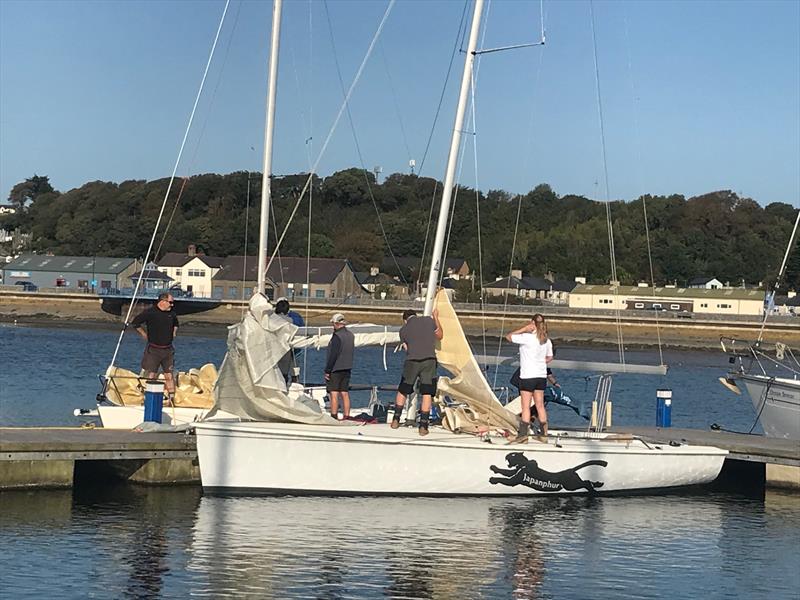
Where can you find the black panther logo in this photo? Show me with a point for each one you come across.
(527, 472)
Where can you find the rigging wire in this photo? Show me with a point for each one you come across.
(615, 280)
(781, 272)
(193, 160)
(395, 102)
(527, 154)
(171, 181)
(505, 304)
(461, 151)
(456, 45)
(246, 224)
(358, 147)
(473, 82)
(638, 154)
(335, 123)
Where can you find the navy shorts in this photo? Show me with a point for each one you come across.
(533, 384)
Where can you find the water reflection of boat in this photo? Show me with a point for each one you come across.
(428, 548)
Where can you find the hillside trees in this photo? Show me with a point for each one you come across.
(717, 234)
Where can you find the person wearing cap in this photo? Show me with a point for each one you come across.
(419, 336)
(338, 364)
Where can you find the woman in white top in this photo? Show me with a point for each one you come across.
(535, 352)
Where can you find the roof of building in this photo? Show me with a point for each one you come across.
(364, 278)
(702, 280)
(152, 275)
(531, 283)
(412, 264)
(288, 269)
(664, 292)
(786, 301)
(176, 259)
(69, 264)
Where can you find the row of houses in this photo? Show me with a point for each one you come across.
(235, 277)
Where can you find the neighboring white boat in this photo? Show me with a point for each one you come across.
(288, 445)
(771, 381)
(776, 399)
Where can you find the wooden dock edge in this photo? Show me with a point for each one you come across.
(33, 458)
(783, 477)
(65, 457)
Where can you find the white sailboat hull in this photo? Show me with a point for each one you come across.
(128, 417)
(777, 404)
(283, 458)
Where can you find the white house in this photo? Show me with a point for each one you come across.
(191, 271)
(709, 283)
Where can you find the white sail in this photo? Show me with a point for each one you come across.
(250, 384)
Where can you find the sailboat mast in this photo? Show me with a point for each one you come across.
(266, 177)
(455, 144)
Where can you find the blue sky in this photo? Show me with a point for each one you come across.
(697, 96)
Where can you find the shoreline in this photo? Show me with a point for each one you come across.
(595, 335)
(579, 329)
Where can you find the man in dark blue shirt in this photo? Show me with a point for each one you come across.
(338, 365)
(289, 363)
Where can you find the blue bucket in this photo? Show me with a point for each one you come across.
(153, 401)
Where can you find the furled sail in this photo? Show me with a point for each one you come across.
(250, 384)
(364, 334)
(467, 384)
(195, 387)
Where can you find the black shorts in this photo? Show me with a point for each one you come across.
(533, 384)
(158, 357)
(339, 382)
(425, 371)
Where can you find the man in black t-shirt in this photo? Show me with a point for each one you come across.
(161, 324)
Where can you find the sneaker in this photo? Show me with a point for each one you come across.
(423, 431)
(395, 424)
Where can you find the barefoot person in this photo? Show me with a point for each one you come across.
(419, 335)
(535, 352)
(338, 365)
(158, 325)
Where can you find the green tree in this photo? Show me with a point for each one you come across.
(30, 189)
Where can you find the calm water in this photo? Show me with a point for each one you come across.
(138, 542)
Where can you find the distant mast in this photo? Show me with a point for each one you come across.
(266, 177)
(455, 144)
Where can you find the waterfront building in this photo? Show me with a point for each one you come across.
(723, 301)
(192, 272)
(289, 276)
(69, 273)
(376, 282)
(554, 292)
(709, 283)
